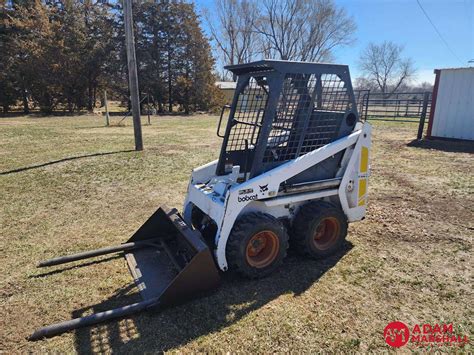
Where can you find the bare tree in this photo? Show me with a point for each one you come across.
(362, 83)
(234, 36)
(306, 30)
(384, 67)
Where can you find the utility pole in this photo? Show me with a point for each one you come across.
(132, 73)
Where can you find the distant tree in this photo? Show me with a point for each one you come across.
(362, 83)
(100, 47)
(58, 54)
(306, 30)
(34, 48)
(196, 65)
(175, 57)
(151, 41)
(384, 67)
(87, 45)
(71, 54)
(424, 86)
(234, 34)
(8, 92)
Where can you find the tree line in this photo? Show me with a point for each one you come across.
(302, 30)
(305, 30)
(61, 55)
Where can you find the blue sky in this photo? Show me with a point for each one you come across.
(403, 22)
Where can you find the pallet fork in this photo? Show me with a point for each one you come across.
(167, 260)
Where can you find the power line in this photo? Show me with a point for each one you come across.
(439, 33)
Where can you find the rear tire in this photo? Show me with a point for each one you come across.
(319, 229)
(257, 245)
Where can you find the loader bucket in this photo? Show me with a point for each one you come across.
(180, 268)
(169, 262)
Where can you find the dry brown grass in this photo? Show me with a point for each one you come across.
(410, 260)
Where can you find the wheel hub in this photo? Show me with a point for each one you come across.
(262, 249)
(326, 233)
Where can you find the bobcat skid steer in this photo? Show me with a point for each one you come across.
(293, 169)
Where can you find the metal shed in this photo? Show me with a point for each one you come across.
(452, 113)
(227, 88)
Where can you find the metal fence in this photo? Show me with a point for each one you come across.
(361, 97)
(398, 107)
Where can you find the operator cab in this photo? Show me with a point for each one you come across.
(282, 110)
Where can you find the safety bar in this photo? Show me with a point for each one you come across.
(220, 120)
(312, 186)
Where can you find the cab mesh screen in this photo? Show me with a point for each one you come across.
(248, 115)
(308, 116)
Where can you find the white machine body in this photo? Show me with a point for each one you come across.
(223, 198)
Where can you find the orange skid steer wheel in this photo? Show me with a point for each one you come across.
(327, 232)
(262, 249)
(319, 229)
(257, 245)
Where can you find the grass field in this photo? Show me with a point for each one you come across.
(70, 184)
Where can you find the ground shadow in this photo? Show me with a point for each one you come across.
(167, 329)
(62, 160)
(446, 145)
(13, 114)
(39, 114)
(111, 125)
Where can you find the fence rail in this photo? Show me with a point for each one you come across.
(399, 107)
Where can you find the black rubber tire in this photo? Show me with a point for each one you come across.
(244, 229)
(306, 223)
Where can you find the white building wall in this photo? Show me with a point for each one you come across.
(454, 111)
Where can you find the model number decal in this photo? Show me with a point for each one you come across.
(245, 191)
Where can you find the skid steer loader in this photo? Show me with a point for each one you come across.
(293, 169)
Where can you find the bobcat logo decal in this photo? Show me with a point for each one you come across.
(263, 188)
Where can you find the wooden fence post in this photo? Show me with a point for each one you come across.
(148, 107)
(107, 117)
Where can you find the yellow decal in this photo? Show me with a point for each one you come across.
(362, 187)
(364, 160)
(362, 191)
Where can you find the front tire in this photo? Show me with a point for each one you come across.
(257, 245)
(319, 229)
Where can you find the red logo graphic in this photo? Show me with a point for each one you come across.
(396, 334)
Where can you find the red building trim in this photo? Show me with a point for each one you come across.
(433, 102)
